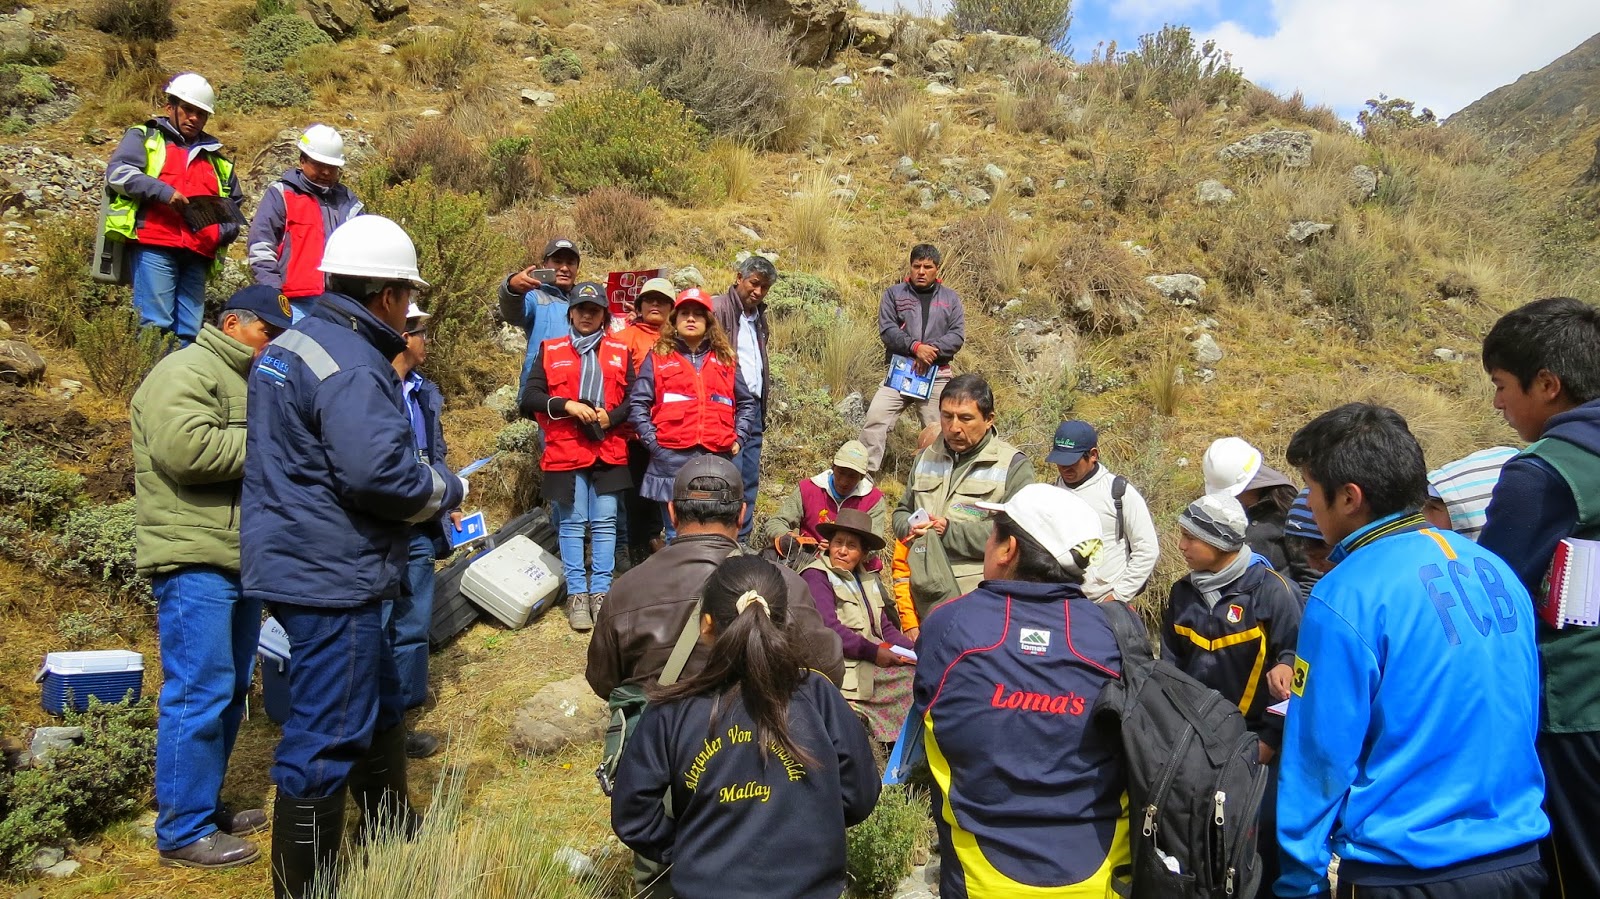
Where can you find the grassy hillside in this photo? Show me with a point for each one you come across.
(1054, 188)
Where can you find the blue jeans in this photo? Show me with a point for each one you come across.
(208, 635)
(169, 289)
(406, 618)
(343, 688)
(749, 462)
(593, 515)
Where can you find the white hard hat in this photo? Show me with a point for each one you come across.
(1057, 519)
(1229, 465)
(194, 90)
(323, 144)
(371, 246)
(415, 314)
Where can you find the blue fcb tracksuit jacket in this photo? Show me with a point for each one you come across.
(332, 478)
(1031, 799)
(1409, 745)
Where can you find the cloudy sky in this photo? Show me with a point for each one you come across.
(1442, 54)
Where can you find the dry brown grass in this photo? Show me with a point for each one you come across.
(983, 257)
(615, 221)
(532, 225)
(1099, 284)
(436, 145)
(814, 220)
(735, 164)
(912, 129)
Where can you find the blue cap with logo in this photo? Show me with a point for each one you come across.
(267, 303)
(1073, 439)
(588, 292)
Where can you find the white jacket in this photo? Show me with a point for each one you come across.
(1124, 565)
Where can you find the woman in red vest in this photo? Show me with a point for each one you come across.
(688, 398)
(577, 390)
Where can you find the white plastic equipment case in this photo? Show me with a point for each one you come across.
(514, 581)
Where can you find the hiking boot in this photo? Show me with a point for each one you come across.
(214, 850)
(578, 612)
(240, 824)
(421, 744)
(596, 600)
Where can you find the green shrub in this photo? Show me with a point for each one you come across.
(878, 850)
(274, 39)
(82, 788)
(23, 85)
(521, 436)
(274, 90)
(1169, 66)
(463, 259)
(56, 300)
(98, 542)
(1047, 20)
(514, 171)
(118, 353)
(731, 71)
(636, 139)
(33, 487)
(561, 66)
(802, 294)
(266, 9)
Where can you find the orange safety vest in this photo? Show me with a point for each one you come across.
(566, 447)
(694, 408)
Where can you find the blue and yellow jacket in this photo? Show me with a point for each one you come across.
(1031, 799)
(1231, 646)
(1409, 745)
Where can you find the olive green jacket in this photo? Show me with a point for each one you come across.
(188, 455)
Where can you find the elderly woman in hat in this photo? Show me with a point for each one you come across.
(853, 601)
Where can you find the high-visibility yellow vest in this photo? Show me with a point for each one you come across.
(123, 212)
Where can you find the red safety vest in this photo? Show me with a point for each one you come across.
(694, 408)
(566, 447)
(304, 233)
(161, 225)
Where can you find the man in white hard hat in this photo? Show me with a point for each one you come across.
(295, 217)
(155, 172)
(333, 483)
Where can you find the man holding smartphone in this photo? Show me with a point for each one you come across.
(536, 298)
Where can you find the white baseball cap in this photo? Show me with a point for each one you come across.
(1230, 464)
(1058, 519)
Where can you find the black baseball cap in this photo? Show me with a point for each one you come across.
(1073, 440)
(705, 468)
(588, 292)
(561, 245)
(270, 305)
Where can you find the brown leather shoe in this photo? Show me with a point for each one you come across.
(215, 850)
(243, 823)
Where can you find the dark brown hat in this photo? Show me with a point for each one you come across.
(856, 522)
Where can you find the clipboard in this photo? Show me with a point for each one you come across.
(908, 753)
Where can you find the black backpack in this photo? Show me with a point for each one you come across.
(1194, 775)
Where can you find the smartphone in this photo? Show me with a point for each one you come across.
(919, 517)
(543, 275)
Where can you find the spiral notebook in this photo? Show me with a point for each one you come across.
(1572, 592)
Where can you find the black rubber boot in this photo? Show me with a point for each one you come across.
(305, 843)
(378, 785)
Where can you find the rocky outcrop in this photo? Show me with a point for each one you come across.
(337, 18)
(814, 28)
(1290, 149)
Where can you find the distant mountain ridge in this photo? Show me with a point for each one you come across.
(1551, 113)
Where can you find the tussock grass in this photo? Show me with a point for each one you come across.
(814, 220)
(440, 60)
(735, 164)
(911, 129)
(983, 257)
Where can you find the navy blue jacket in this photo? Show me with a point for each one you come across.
(431, 402)
(1029, 792)
(1533, 508)
(331, 476)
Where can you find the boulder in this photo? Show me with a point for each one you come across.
(815, 28)
(1213, 193)
(20, 363)
(687, 277)
(906, 169)
(1364, 181)
(852, 409)
(384, 10)
(871, 35)
(945, 55)
(1289, 149)
(992, 52)
(63, 869)
(337, 18)
(995, 175)
(16, 38)
(1181, 289)
(1445, 354)
(47, 858)
(1305, 232)
(559, 715)
(1206, 350)
(935, 89)
(1027, 188)
(538, 98)
(1103, 312)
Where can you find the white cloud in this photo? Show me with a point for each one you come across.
(1443, 54)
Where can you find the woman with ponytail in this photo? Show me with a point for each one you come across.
(743, 778)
